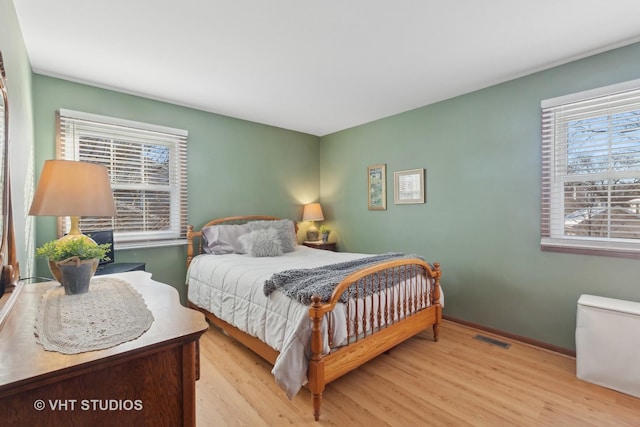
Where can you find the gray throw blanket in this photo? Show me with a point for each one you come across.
(302, 284)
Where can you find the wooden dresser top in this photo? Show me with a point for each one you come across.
(23, 360)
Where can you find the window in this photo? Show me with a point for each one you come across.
(591, 171)
(148, 170)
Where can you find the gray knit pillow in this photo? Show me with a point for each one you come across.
(285, 228)
(261, 243)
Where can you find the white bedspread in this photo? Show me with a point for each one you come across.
(231, 287)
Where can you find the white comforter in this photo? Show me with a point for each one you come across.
(231, 287)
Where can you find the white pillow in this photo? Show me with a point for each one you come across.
(223, 239)
(261, 243)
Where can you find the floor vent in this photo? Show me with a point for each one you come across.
(492, 341)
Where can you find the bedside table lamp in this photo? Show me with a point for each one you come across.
(312, 212)
(75, 189)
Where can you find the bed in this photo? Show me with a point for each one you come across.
(273, 298)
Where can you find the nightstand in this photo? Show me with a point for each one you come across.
(120, 267)
(319, 244)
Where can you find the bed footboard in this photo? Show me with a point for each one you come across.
(386, 304)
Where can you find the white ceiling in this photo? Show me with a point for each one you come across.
(314, 66)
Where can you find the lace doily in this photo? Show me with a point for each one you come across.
(111, 313)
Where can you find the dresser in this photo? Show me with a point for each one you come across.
(149, 381)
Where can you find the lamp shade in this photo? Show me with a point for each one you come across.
(70, 188)
(312, 212)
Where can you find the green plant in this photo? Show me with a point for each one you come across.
(324, 229)
(59, 250)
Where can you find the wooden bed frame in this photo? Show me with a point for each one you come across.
(402, 319)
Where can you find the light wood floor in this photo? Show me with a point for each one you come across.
(457, 381)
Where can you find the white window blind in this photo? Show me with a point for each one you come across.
(148, 171)
(591, 171)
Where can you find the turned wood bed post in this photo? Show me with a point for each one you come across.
(436, 299)
(189, 244)
(316, 364)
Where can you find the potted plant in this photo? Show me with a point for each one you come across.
(325, 231)
(73, 260)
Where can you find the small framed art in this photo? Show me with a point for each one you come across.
(377, 186)
(408, 187)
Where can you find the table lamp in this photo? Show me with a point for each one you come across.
(312, 212)
(74, 189)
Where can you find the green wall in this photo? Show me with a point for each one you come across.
(481, 152)
(19, 90)
(235, 167)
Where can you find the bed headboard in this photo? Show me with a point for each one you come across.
(194, 238)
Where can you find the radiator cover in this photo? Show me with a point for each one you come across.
(608, 343)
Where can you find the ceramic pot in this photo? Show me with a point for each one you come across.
(75, 274)
(55, 270)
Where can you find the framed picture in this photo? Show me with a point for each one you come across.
(377, 186)
(408, 186)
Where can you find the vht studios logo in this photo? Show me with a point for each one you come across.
(88, 405)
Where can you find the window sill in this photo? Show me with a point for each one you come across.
(587, 247)
(148, 244)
